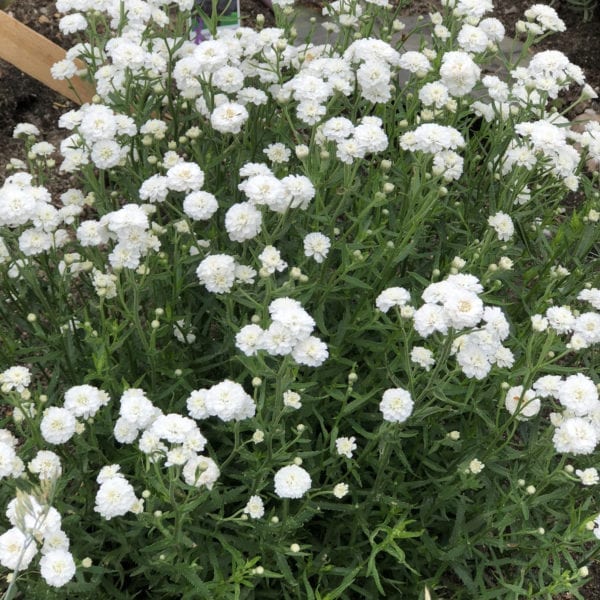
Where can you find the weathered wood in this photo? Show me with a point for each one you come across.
(34, 54)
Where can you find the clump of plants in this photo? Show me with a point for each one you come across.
(307, 321)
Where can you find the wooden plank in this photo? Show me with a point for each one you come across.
(34, 54)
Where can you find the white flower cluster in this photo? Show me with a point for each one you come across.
(226, 400)
(263, 188)
(583, 327)
(59, 424)
(547, 74)
(129, 226)
(352, 142)
(454, 304)
(471, 10)
(99, 136)
(578, 425)
(544, 141)
(290, 333)
(35, 522)
(218, 273)
(137, 414)
(346, 13)
(22, 203)
(541, 19)
(441, 141)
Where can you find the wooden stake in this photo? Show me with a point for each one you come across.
(34, 54)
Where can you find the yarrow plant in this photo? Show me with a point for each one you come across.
(300, 321)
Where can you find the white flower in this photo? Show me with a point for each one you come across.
(473, 359)
(151, 445)
(228, 79)
(85, 400)
(25, 130)
(546, 16)
(430, 318)
(16, 549)
(415, 62)
(539, 323)
(396, 405)
(154, 189)
(217, 273)
(57, 567)
(108, 472)
(459, 73)
(200, 205)
(201, 471)
(115, 497)
(591, 295)
(310, 351)
(58, 425)
(185, 177)
(229, 401)
(547, 386)
(63, 69)
(476, 466)
(522, 404)
(560, 318)
(136, 408)
(503, 225)
(472, 39)
(244, 274)
(249, 339)
(46, 464)
(423, 357)
(434, 94)
(393, 296)
(340, 490)
(243, 222)
(578, 394)
(255, 507)
(278, 153)
(229, 117)
(55, 540)
(125, 431)
(15, 378)
(463, 309)
(271, 260)
(196, 404)
(345, 446)
(97, 123)
(588, 476)
(575, 435)
(7, 460)
(317, 245)
(176, 429)
(292, 482)
(292, 399)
